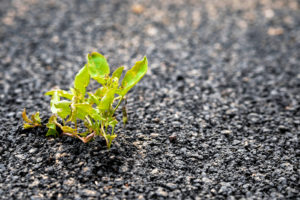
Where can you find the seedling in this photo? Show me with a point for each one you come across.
(33, 122)
(96, 109)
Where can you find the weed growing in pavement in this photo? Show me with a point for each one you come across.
(95, 108)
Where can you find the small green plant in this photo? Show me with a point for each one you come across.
(33, 122)
(96, 109)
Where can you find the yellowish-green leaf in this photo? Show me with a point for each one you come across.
(82, 80)
(25, 118)
(100, 92)
(67, 129)
(84, 134)
(61, 93)
(36, 118)
(107, 100)
(52, 126)
(98, 67)
(52, 132)
(115, 83)
(113, 122)
(63, 108)
(93, 98)
(117, 73)
(134, 75)
(109, 139)
(26, 126)
(84, 109)
(55, 99)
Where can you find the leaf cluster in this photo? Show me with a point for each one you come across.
(33, 122)
(96, 109)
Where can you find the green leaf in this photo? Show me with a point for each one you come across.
(118, 72)
(84, 109)
(36, 118)
(27, 126)
(67, 129)
(84, 134)
(63, 108)
(52, 132)
(109, 139)
(98, 67)
(107, 100)
(25, 118)
(61, 93)
(82, 80)
(93, 98)
(113, 122)
(51, 126)
(54, 100)
(114, 83)
(100, 92)
(81, 111)
(134, 75)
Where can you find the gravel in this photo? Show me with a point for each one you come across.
(216, 117)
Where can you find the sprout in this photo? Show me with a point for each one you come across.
(95, 108)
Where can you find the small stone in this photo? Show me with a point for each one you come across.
(269, 13)
(283, 128)
(20, 156)
(137, 8)
(206, 180)
(35, 183)
(235, 142)
(282, 180)
(151, 31)
(156, 120)
(171, 186)
(226, 132)
(161, 192)
(89, 193)
(154, 171)
(172, 138)
(2, 168)
(273, 31)
(70, 181)
(154, 135)
(33, 150)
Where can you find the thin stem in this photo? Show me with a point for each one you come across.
(117, 105)
(89, 120)
(112, 131)
(101, 129)
(83, 139)
(76, 124)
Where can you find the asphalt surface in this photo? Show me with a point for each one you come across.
(216, 117)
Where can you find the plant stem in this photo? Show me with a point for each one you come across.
(117, 105)
(83, 139)
(89, 120)
(76, 124)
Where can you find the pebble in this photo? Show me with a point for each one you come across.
(160, 192)
(226, 132)
(215, 117)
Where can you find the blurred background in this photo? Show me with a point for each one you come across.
(44, 43)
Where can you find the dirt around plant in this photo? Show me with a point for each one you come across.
(217, 115)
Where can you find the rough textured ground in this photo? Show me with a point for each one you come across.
(224, 79)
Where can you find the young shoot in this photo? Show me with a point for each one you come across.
(96, 109)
